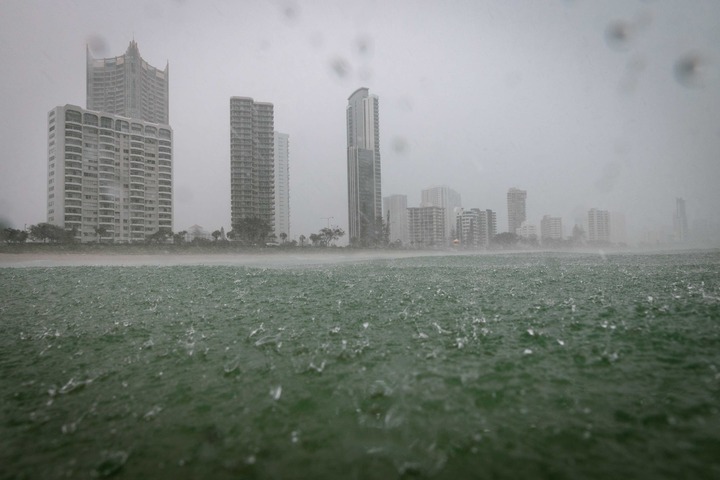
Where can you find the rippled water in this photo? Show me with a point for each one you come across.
(506, 366)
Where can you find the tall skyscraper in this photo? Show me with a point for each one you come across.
(446, 198)
(598, 226)
(516, 208)
(282, 184)
(680, 222)
(396, 216)
(109, 177)
(252, 159)
(129, 86)
(363, 164)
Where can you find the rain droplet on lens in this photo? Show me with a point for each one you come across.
(619, 35)
(363, 45)
(97, 44)
(290, 10)
(690, 70)
(399, 145)
(340, 66)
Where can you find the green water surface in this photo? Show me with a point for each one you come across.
(496, 366)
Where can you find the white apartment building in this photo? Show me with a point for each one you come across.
(527, 231)
(446, 198)
(426, 227)
(109, 177)
(475, 228)
(282, 184)
(551, 228)
(598, 226)
(252, 161)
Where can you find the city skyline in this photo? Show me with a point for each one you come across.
(543, 97)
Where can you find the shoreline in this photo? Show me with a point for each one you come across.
(275, 258)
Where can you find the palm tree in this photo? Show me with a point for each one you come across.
(100, 232)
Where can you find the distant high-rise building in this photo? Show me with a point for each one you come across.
(129, 86)
(516, 208)
(426, 227)
(446, 198)
(396, 216)
(551, 229)
(282, 183)
(527, 231)
(363, 164)
(109, 177)
(680, 222)
(491, 217)
(598, 226)
(475, 228)
(252, 159)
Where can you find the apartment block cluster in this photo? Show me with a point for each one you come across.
(110, 164)
(441, 221)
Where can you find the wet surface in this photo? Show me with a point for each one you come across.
(516, 366)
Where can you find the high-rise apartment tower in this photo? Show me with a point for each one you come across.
(446, 198)
(598, 226)
(516, 208)
(109, 177)
(129, 86)
(363, 164)
(282, 184)
(252, 159)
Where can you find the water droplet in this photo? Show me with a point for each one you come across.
(111, 463)
(152, 413)
(399, 144)
(97, 44)
(619, 35)
(340, 67)
(363, 45)
(691, 70)
(276, 392)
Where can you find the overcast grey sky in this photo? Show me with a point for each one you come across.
(612, 104)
